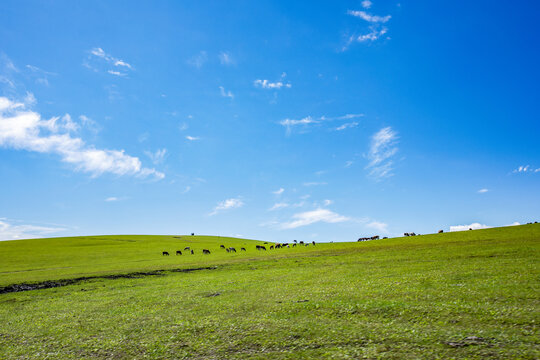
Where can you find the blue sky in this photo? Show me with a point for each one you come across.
(272, 120)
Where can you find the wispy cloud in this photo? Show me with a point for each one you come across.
(315, 183)
(157, 157)
(526, 169)
(382, 149)
(198, 60)
(10, 230)
(227, 205)
(278, 206)
(24, 129)
(225, 58)
(98, 54)
(279, 191)
(111, 199)
(267, 84)
(347, 126)
(473, 226)
(192, 138)
(368, 17)
(289, 124)
(41, 76)
(366, 4)
(314, 216)
(224, 93)
(483, 191)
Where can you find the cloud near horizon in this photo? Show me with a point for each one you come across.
(24, 129)
(474, 226)
(10, 231)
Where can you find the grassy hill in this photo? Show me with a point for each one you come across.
(472, 294)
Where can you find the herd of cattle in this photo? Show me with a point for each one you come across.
(189, 250)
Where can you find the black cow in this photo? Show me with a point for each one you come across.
(260, 247)
(187, 248)
(192, 252)
(222, 246)
(205, 251)
(192, 234)
(242, 249)
(165, 253)
(271, 247)
(441, 231)
(178, 252)
(313, 242)
(294, 245)
(232, 249)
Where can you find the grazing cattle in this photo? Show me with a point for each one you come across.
(228, 250)
(205, 251)
(294, 241)
(165, 253)
(187, 248)
(192, 234)
(271, 247)
(242, 249)
(260, 247)
(441, 231)
(313, 242)
(232, 249)
(470, 228)
(178, 252)
(286, 244)
(222, 246)
(277, 246)
(386, 237)
(294, 245)
(301, 242)
(192, 252)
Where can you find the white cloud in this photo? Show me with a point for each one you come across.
(157, 157)
(266, 84)
(483, 191)
(110, 60)
(10, 231)
(373, 35)
(225, 58)
(192, 138)
(89, 123)
(526, 169)
(278, 206)
(224, 93)
(327, 202)
(347, 126)
(198, 60)
(289, 123)
(379, 226)
(368, 17)
(382, 149)
(117, 73)
(474, 226)
(308, 121)
(314, 183)
(24, 129)
(366, 4)
(515, 223)
(111, 199)
(227, 204)
(314, 216)
(279, 191)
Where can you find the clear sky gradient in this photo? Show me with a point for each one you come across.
(273, 120)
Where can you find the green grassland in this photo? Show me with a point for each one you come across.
(472, 294)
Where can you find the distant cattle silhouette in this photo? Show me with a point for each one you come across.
(232, 249)
(187, 248)
(294, 245)
(205, 251)
(222, 246)
(178, 252)
(294, 240)
(386, 237)
(260, 247)
(192, 252)
(165, 253)
(470, 228)
(441, 231)
(313, 242)
(242, 249)
(192, 234)
(271, 247)
(301, 242)
(227, 250)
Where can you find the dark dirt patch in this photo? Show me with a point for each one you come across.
(64, 282)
